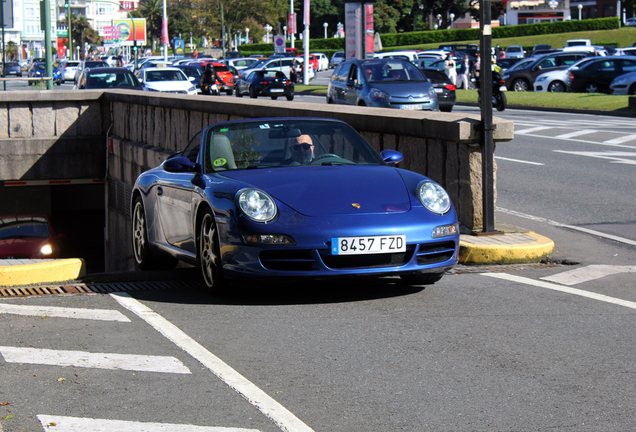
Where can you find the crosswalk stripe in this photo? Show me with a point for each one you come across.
(621, 140)
(61, 312)
(142, 363)
(576, 133)
(534, 129)
(76, 424)
(588, 273)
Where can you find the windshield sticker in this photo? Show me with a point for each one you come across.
(264, 126)
(220, 162)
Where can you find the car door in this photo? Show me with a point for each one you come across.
(343, 76)
(354, 84)
(606, 71)
(174, 201)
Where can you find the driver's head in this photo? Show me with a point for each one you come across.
(302, 149)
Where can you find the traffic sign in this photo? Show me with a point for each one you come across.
(279, 44)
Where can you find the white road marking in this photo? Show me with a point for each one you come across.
(572, 227)
(576, 133)
(518, 160)
(77, 424)
(621, 140)
(534, 129)
(614, 156)
(280, 415)
(142, 363)
(580, 141)
(588, 273)
(60, 312)
(560, 288)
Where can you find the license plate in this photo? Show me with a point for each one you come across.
(411, 107)
(503, 88)
(277, 90)
(368, 245)
(438, 90)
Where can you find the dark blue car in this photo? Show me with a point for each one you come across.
(291, 197)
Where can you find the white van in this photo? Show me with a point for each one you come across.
(405, 55)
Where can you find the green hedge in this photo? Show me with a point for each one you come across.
(331, 45)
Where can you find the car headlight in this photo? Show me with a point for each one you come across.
(46, 250)
(379, 94)
(433, 197)
(619, 81)
(193, 88)
(432, 94)
(505, 77)
(256, 205)
(541, 78)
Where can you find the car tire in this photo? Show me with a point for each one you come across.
(520, 85)
(290, 97)
(237, 93)
(253, 94)
(556, 87)
(274, 97)
(144, 259)
(592, 87)
(229, 92)
(632, 89)
(421, 278)
(446, 109)
(329, 100)
(208, 253)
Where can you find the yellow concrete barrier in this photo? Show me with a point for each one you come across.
(45, 272)
(519, 248)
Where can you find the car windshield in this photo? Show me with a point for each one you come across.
(165, 75)
(24, 227)
(391, 70)
(267, 143)
(90, 64)
(522, 64)
(111, 80)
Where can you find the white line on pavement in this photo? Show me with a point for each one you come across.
(554, 287)
(534, 129)
(76, 424)
(60, 312)
(576, 133)
(142, 363)
(517, 160)
(588, 273)
(621, 140)
(572, 227)
(580, 141)
(280, 415)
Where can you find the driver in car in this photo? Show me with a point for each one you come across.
(302, 150)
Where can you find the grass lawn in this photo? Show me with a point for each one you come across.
(593, 101)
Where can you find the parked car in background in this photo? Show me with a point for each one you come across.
(107, 78)
(624, 84)
(239, 63)
(514, 51)
(323, 61)
(336, 58)
(13, 68)
(166, 80)
(68, 69)
(596, 76)
(300, 198)
(507, 63)
(444, 88)
(522, 79)
(554, 81)
(385, 83)
(282, 64)
(265, 83)
(28, 237)
(37, 70)
(193, 72)
(87, 64)
(630, 22)
(625, 51)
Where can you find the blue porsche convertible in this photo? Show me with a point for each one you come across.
(291, 198)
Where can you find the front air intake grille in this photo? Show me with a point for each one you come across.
(287, 260)
(368, 261)
(432, 253)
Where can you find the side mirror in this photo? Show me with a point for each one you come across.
(179, 164)
(391, 156)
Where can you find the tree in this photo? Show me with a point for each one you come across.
(152, 10)
(82, 32)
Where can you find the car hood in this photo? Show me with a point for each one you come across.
(402, 88)
(20, 246)
(169, 85)
(331, 190)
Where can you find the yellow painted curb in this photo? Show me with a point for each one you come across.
(531, 252)
(45, 272)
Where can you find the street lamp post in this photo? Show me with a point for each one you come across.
(268, 28)
(580, 6)
(285, 33)
(439, 20)
(247, 35)
(452, 18)
(325, 25)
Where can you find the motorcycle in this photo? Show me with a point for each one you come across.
(209, 89)
(499, 100)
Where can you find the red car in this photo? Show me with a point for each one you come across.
(28, 237)
(223, 72)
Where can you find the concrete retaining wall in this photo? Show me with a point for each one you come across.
(45, 128)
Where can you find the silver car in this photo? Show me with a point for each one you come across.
(624, 84)
(384, 83)
(336, 58)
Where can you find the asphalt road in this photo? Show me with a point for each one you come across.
(531, 348)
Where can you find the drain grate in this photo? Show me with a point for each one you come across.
(94, 288)
(461, 269)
